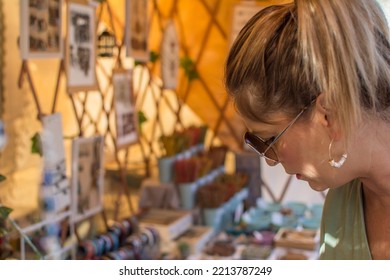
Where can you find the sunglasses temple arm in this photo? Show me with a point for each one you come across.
(284, 130)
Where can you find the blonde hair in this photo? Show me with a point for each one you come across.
(287, 55)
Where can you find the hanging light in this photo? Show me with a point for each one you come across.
(106, 44)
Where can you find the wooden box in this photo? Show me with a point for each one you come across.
(196, 238)
(300, 239)
(169, 223)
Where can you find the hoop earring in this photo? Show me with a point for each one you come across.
(332, 162)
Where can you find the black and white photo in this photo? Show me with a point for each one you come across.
(126, 114)
(87, 177)
(41, 29)
(137, 30)
(80, 48)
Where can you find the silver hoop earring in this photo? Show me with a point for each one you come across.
(332, 162)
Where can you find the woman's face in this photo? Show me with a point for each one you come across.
(303, 149)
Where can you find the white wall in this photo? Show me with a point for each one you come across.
(298, 190)
(386, 7)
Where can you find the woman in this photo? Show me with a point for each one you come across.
(311, 80)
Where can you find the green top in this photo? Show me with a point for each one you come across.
(343, 231)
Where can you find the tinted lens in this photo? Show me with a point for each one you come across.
(260, 146)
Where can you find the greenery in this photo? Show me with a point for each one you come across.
(36, 144)
(4, 212)
(137, 62)
(179, 141)
(189, 68)
(184, 249)
(141, 118)
(173, 144)
(5, 247)
(154, 56)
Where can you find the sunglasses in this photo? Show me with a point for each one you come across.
(265, 148)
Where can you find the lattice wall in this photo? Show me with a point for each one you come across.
(204, 37)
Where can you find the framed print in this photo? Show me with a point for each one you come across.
(137, 30)
(170, 60)
(242, 12)
(87, 177)
(125, 112)
(41, 29)
(80, 47)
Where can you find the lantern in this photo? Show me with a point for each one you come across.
(106, 44)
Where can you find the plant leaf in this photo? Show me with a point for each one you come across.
(141, 118)
(189, 68)
(36, 144)
(4, 212)
(154, 56)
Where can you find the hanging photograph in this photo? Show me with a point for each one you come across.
(242, 12)
(170, 61)
(80, 47)
(125, 112)
(136, 30)
(87, 177)
(41, 29)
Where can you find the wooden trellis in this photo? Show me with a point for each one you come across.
(186, 89)
(149, 85)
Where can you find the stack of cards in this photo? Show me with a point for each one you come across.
(55, 188)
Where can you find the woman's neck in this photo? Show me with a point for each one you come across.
(374, 148)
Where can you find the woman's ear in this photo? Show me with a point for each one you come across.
(321, 111)
(326, 118)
